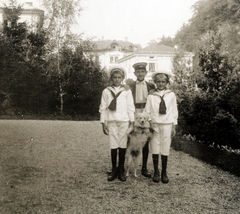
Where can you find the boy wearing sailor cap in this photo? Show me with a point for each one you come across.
(162, 108)
(140, 91)
(116, 115)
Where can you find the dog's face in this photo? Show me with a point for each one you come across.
(142, 120)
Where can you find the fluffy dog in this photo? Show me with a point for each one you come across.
(137, 138)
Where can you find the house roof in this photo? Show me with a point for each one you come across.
(104, 44)
(157, 48)
(154, 48)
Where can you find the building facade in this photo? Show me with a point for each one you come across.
(108, 52)
(157, 56)
(30, 15)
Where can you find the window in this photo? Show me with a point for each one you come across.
(113, 59)
(152, 67)
(114, 46)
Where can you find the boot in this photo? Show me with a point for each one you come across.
(121, 174)
(114, 172)
(145, 152)
(156, 176)
(164, 177)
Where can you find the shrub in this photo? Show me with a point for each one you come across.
(225, 130)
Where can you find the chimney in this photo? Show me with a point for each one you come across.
(126, 39)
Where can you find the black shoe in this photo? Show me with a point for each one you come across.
(121, 174)
(146, 173)
(113, 174)
(156, 177)
(164, 178)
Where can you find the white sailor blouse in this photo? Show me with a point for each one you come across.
(124, 105)
(153, 103)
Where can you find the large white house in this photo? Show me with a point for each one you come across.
(124, 53)
(157, 56)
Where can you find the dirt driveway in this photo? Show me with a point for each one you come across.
(60, 167)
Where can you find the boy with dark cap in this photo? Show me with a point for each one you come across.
(140, 90)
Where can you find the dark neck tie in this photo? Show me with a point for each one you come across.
(113, 104)
(162, 106)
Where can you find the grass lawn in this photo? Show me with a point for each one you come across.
(61, 167)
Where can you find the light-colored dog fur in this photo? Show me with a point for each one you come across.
(138, 136)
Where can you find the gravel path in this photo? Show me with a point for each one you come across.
(61, 167)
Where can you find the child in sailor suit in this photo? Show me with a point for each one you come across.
(162, 108)
(116, 115)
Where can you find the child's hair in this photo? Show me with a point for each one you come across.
(161, 75)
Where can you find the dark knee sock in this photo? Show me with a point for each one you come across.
(155, 162)
(145, 152)
(114, 158)
(164, 163)
(122, 153)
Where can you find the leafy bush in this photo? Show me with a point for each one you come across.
(225, 130)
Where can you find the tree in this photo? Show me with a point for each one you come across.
(83, 83)
(22, 69)
(214, 62)
(167, 41)
(211, 15)
(182, 67)
(59, 18)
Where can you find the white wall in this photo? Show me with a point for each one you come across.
(162, 62)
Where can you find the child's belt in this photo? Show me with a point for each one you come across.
(140, 105)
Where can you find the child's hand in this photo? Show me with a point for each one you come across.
(173, 130)
(130, 127)
(153, 128)
(105, 129)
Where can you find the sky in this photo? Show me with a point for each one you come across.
(140, 21)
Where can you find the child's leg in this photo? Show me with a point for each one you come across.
(114, 158)
(156, 175)
(122, 142)
(155, 146)
(166, 130)
(112, 127)
(145, 152)
(165, 138)
(164, 177)
(114, 172)
(121, 174)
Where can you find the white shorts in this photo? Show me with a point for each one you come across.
(118, 134)
(161, 140)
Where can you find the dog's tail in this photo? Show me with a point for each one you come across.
(135, 153)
